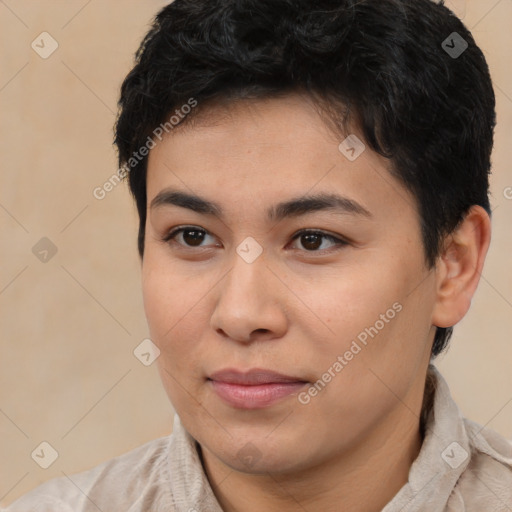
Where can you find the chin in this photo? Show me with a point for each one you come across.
(256, 455)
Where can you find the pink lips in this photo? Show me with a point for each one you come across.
(254, 389)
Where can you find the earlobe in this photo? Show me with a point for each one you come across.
(459, 267)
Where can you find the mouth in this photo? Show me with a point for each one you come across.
(254, 389)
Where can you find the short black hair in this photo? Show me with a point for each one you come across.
(420, 97)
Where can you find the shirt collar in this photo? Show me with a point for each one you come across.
(444, 455)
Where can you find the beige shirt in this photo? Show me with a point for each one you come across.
(461, 468)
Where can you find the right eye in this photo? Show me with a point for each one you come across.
(188, 236)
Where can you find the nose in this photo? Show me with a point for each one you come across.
(250, 303)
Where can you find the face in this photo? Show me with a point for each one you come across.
(284, 283)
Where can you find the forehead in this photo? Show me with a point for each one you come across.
(254, 151)
(258, 121)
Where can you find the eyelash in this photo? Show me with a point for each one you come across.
(338, 242)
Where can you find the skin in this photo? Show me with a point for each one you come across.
(295, 310)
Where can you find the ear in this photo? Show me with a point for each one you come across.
(459, 267)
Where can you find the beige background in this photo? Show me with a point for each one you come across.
(68, 375)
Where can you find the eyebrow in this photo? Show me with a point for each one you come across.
(294, 207)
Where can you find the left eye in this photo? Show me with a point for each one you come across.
(313, 240)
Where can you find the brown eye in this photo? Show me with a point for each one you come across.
(314, 241)
(193, 237)
(189, 237)
(311, 242)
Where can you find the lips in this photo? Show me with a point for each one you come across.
(255, 388)
(252, 377)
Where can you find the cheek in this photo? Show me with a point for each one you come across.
(176, 311)
(165, 304)
(354, 300)
(372, 305)
(159, 302)
(172, 325)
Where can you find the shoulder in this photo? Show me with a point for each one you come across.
(486, 483)
(128, 482)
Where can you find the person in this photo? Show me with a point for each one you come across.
(311, 180)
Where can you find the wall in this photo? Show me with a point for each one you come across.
(71, 320)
